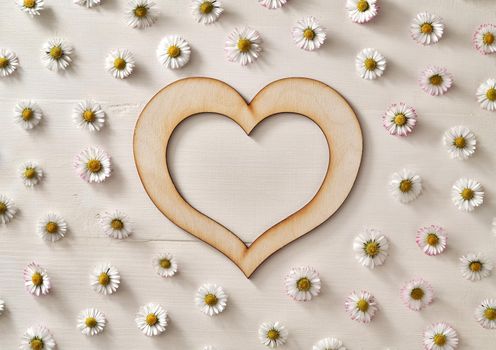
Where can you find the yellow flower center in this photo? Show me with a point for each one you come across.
(362, 305)
(432, 239)
(210, 299)
(406, 186)
(89, 116)
(37, 279)
(94, 165)
(426, 28)
(244, 45)
(104, 279)
(206, 7)
(140, 11)
(117, 224)
(488, 38)
(417, 293)
(29, 173)
(490, 314)
(467, 194)
(119, 63)
(372, 248)
(90, 322)
(362, 6)
(36, 344)
(52, 227)
(27, 114)
(56, 52)
(370, 64)
(273, 334)
(4, 62)
(29, 3)
(436, 80)
(475, 266)
(439, 339)
(3, 208)
(460, 142)
(151, 319)
(400, 119)
(304, 284)
(173, 51)
(491, 94)
(165, 263)
(309, 34)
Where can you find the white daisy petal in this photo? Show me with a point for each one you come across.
(56, 54)
(243, 45)
(486, 95)
(475, 267)
(88, 115)
(93, 165)
(432, 240)
(120, 63)
(460, 142)
(151, 319)
(173, 52)
(7, 209)
(362, 11)
(417, 294)
(31, 7)
(435, 81)
(329, 344)
(485, 313)
(37, 337)
(27, 114)
(105, 279)
(116, 224)
(141, 13)
(88, 3)
(36, 280)
(211, 299)
(91, 322)
(427, 29)
(272, 334)
(51, 227)
(467, 194)
(2, 307)
(308, 34)
(405, 186)
(30, 173)
(361, 306)
(303, 283)
(272, 4)
(8, 62)
(371, 248)
(165, 264)
(370, 64)
(206, 11)
(400, 119)
(440, 336)
(484, 39)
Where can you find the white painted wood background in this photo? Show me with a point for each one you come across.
(282, 165)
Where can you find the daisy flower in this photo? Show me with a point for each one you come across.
(8, 62)
(151, 319)
(371, 248)
(173, 52)
(485, 313)
(484, 39)
(27, 114)
(308, 34)
(370, 64)
(37, 338)
(2, 307)
(329, 344)
(460, 142)
(432, 239)
(91, 322)
(116, 224)
(467, 194)
(435, 81)
(361, 306)
(302, 283)
(206, 11)
(7, 209)
(105, 279)
(475, 267)
(30, 173)
(31, 7)
(243, 45)
(400, 119)
(362, 11)
(93, 165)
(486, 95)
(417, 294)
(52, 227)
(120, 63)
(211, 299)
(272, 4)
(56, 54)
(88, 115)
(165, 265)
(36, 280)
(272, 334)
(88, 3)
(427, 29)
(440, 336)
(141, 13)
(405, 186)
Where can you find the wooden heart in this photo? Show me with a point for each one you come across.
(191, 96)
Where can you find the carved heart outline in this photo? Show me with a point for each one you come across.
(190, 97)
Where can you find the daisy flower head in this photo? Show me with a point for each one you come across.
(151, 319)
(370, 64)
(8, 62)
(272, 4)
(460, 142)
(36, 280)
(211, 299)
(427, 29)
(400, 119)
(405, 186)
(484, 39)
(88, 115)
(486, 95)
(475, 267)
(361, 306)
(2, 307)
(303, 283)
(51, 227)
(116, 224)
(56, 54)
(8, 209)
(165, 264)
(432, 239)
(417, 294)
(329, 344)
(105, 279)
(243, 45)
(485, 313)
(206, 11)
(173, 52)
(141, 13)
(120, 63)
(272, 334)
(435, 81)
(93, 165)
(440, 336)
(91, 322)
(362, 11)
(88, 3)
(37, 338)
(30, 173)
(31, 7)
(371, 248)
(308, 34)
(467, 194)
(27, 114)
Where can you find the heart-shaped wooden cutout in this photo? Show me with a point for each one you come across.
(191, 96)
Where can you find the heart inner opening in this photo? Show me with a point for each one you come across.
(248, 183)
